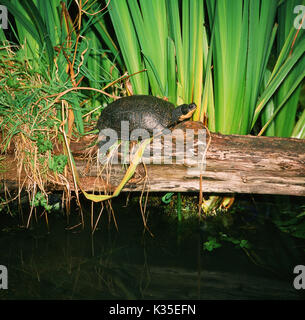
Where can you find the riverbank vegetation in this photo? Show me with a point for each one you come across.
(242, 62)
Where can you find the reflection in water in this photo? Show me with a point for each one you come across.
(131, 264)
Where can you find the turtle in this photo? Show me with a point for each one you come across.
(143, 112)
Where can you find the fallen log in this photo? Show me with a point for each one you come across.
(232, 164)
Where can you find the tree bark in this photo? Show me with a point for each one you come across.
(233, 164)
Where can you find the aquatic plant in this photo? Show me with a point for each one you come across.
(211, 244)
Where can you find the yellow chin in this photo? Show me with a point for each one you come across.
(187, 116)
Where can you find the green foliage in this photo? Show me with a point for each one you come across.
(130, 49)
(215, 242)
(181, 207)
(53, 55)
(239, 243)
(167, 197)
(32, 28)
(41, 200)
(244, 34)
(240, 85)
(224, 67)
(280, 115)
(286, 118)
(43, 144)
(173, 49)
(290, 222)
(211, 244)
(57, 163)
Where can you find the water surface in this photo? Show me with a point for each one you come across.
(130, 263)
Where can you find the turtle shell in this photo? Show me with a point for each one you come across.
(141, 111)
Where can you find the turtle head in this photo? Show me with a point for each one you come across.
(185, 111)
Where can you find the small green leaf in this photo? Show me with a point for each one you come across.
(211, 244)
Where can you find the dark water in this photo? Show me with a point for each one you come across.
(130, 263)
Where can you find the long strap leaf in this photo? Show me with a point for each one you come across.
(129, 173)
(278, 79)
